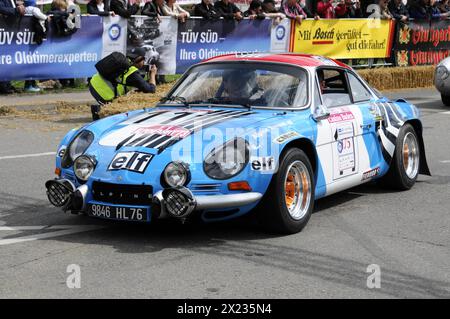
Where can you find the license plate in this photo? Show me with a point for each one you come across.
(120, 213)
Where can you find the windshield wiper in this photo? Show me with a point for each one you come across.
(175, 98)
(216, 100)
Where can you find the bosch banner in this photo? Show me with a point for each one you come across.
(57, 57)
(344, 38)
(422, 42)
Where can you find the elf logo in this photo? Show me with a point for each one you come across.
(130, 161)
(263, 163)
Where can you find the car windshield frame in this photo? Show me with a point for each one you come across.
(258, 65)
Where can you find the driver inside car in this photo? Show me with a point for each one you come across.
(241, 85)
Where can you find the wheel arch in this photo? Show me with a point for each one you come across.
(418, 128)
(307, 146)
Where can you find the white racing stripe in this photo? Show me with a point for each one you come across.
(26, 155)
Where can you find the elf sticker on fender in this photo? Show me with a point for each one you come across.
(263, 164)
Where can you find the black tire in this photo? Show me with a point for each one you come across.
(445, 99)
(273, 212)
(397, 178)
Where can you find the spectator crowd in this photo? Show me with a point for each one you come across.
(63, 21)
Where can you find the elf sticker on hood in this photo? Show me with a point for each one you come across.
(161, 129)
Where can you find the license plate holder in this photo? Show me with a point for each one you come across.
(138, 214)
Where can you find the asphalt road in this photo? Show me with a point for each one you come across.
(406, 234)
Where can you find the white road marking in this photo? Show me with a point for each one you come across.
(445, 162)
(61, 230)
(26, 155)
(446, 112)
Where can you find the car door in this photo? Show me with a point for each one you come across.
(340, 142)
(370, 120)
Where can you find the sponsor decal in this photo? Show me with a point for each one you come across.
(130, 161)
(114, 32)
(280, 32)
(344, 150)
(262, 163)
(165, 130)
(370, 174)
(340, 115)
(286, 136)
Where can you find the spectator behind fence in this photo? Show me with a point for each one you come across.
(255, 10)
(426, 9)
(173, 9)
(100, 8)
(443, 6)
(325, 9)
(294, 11)
(206, 10)
(399, 10)
(154, 9)
(32, 9)
(352, 10)
(384, 10)
(9, 10)
(271, 11)
(123, 8)
(228, 10)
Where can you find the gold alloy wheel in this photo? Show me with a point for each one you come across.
(410, 155)
(297, 190)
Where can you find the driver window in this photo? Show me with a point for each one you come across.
(359, 92)
(333, 87)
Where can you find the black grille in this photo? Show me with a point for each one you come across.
(122, 194)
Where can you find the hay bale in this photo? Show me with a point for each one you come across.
(399, 78)
(135, 100)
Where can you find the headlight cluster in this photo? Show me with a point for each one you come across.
(227, 160)
(77, 147)
(83, 167)
(176, 174)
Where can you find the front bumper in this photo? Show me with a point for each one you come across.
(175, 202)
(181, 202)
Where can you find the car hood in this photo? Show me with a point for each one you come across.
(162, 128)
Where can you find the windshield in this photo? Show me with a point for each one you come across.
(246, 84)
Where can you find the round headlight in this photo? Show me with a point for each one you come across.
(176, 174)
(442, 72)
(83, 167)
(228, 160)
(77, 147)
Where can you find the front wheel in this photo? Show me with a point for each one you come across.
(404, 168)
(289, 200)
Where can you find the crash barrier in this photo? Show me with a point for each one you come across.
(175, 46)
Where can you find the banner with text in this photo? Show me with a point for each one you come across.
(344, 38)
(200, 39)
(422, 42)
(58, 57)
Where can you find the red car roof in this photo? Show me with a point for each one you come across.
(290, 58)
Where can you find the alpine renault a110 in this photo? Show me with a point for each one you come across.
(270, 132)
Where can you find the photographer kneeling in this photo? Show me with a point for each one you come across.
(116, 77)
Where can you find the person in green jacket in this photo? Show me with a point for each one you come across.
(105, 91)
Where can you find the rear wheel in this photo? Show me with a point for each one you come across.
(405, 164)
(289, 201)
(445, 99)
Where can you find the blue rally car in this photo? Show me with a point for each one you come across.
(277, 131)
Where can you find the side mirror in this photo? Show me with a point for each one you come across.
(320, 113)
